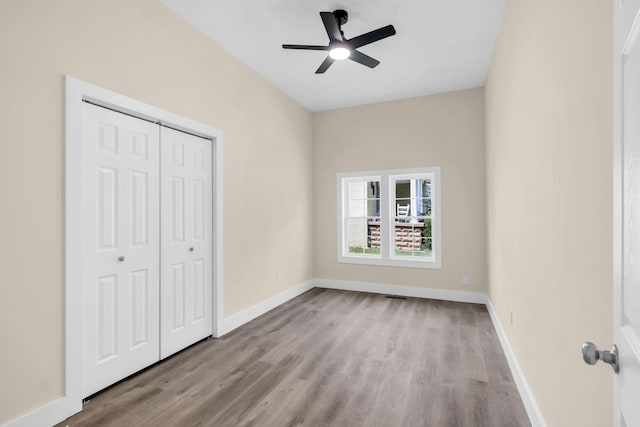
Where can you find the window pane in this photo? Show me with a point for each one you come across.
(403, 199)
(374, 234)
(423, 207)
(363, 236)
(413, 239)
(356, 234)
(413, 198)
(422, 188)
(373, 208)
(373, 189)
(426, 232)
(403, 188)
(362, 225)
(424, 197)
(407, 236)
(356, 197)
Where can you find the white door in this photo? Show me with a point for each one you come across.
(186, 247)
(627, 197)
(120, 268)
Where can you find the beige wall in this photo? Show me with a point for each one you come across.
(549, 195)
(545, 217)
(142, 50)
(443, 130)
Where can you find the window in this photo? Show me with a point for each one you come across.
(390, 217)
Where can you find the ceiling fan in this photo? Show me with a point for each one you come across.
(341, 48)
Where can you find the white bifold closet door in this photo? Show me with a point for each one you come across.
(121, 265)
(186, 245)
(147, 235)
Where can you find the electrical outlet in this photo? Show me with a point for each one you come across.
(511, 317)
(278, 275)
(465, 280)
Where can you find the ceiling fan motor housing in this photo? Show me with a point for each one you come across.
(341, 16)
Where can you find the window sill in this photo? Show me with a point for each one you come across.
(382, 262)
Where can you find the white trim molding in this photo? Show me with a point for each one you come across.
(247, 315)
(62, 408)
(45, 416)
(405, 291)
(529, 401)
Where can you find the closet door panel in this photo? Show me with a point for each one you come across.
(120, 269)
(186, 247)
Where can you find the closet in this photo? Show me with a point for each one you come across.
(147, 245)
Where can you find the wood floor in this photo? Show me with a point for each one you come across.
(329, 358)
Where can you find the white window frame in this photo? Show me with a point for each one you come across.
(387, 255)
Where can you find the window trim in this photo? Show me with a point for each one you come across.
(386, 215)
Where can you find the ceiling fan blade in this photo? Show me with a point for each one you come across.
(331, 25)
(363, 59)
(325, 65)
(304, 47)
(371, 36)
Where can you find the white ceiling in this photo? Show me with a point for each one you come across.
(440, 45)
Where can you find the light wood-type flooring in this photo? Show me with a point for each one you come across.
(329, 358)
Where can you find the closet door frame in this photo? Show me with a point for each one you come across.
(77, 92)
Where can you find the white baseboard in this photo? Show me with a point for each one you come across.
(45, 416)
(530, 404)
(405, 291)
(58, 410)
(239, 319)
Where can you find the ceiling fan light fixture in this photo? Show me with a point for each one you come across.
(339, 53)
(341, 48)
